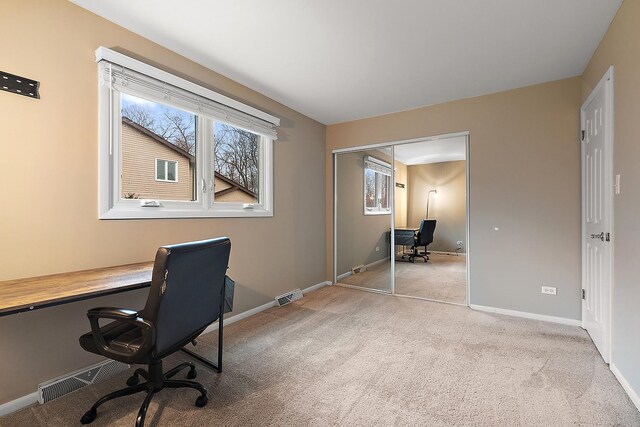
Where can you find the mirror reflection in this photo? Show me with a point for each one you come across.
(363, 220)
(430, 220)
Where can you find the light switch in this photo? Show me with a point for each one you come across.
(617, 185)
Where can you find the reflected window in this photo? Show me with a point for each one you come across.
(377, 184)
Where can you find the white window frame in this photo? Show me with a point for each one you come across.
(113, 206)
(379, 174)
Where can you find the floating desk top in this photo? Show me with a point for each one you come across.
(45, 291)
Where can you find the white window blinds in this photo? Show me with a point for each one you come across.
(127, 74)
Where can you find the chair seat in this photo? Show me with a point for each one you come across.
(121, 336)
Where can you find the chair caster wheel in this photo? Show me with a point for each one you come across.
(89, 416)
(201, 401)
(133, 380)
(192, 373)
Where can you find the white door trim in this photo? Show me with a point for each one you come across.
(606, 84)
(399, 142)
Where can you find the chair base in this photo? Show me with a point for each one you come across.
(156, 381)
(411, 256)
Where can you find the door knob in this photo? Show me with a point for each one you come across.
(598, 236)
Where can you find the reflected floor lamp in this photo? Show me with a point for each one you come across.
(428, 197)
(427, 214)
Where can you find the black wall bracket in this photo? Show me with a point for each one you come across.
(19, 85)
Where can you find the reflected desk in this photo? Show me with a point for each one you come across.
(406, 237)
(33, 293)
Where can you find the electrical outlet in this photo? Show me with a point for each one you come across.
(459, 242)
(377, 248)
(549, 290)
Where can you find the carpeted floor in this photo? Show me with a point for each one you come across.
(375, 277)
(350, 358)
(443, 278)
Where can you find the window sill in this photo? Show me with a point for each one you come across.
(164, 213)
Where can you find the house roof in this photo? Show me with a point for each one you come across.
(158, 138)
(233, 185)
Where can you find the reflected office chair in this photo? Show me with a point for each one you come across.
(423, 238)
(186, 296)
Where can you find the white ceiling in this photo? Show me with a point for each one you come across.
(337, 60)
(432, 151)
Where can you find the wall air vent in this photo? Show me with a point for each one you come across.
(359, 269)
(60, 386)
(285, 299)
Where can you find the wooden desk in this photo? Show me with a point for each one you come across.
(406, 237)
(17, 296)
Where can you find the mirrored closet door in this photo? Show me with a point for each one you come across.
(363, 218)
(430, 220)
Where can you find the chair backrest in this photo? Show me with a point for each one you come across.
(186, 290)
(425, 235)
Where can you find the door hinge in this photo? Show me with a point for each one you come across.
(583, 294)
(607, 237)
(582, 136)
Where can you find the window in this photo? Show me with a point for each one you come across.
(166, 170)
(236, 162)
(377, 186)
(172, 149)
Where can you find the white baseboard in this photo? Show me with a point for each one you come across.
(533, 316)
(625, 385)
(238, 317)
(316, 287)
(367, 266)
(19, 403)
(343, 275)
(263, 307)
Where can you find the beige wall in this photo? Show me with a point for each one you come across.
(49, 216)
(358, 234)
(525, 180)
(401, 195)
(139, 154)
(447, 207)
(620, 47)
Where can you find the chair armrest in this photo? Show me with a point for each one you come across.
(120, 315)
(112, 313)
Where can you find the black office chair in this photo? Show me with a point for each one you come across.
(186, 296)
(423, 238)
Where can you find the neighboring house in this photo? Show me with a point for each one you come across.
(154, 168)
(227, 190)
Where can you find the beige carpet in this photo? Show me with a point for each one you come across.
(443, 278)
(350, 358)
(375, 277)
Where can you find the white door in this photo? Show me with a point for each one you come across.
(597, 138)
